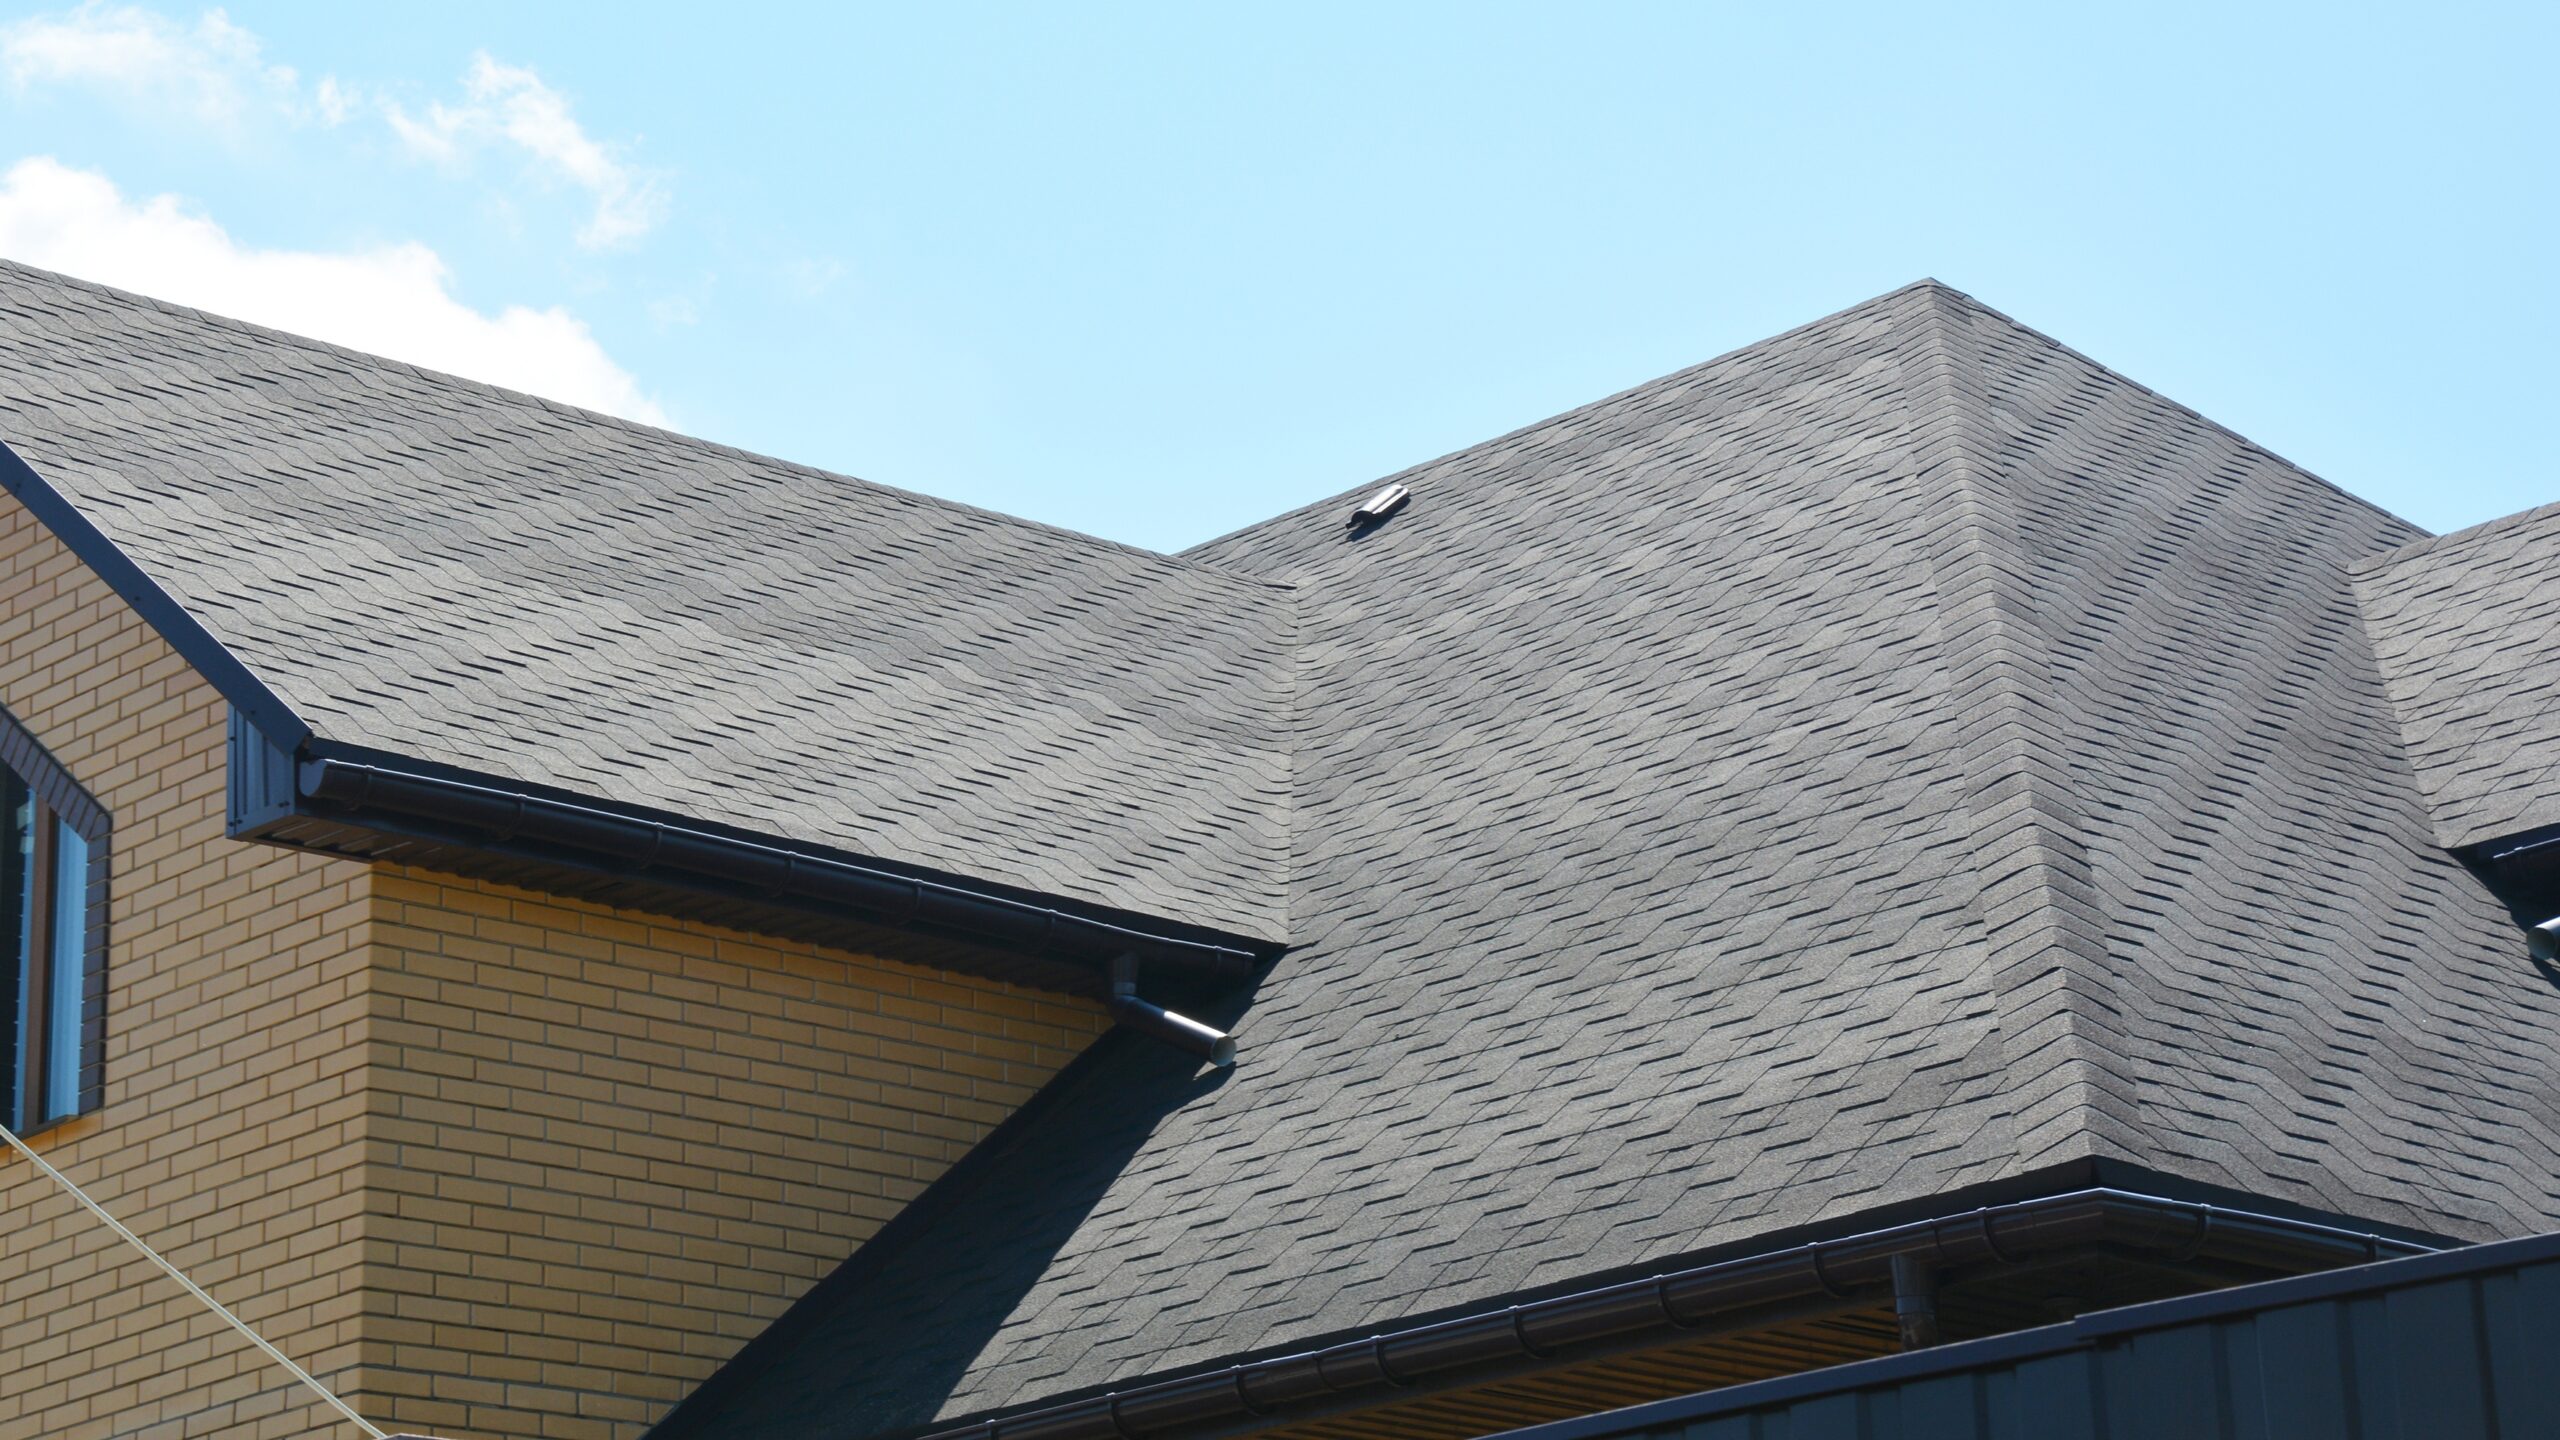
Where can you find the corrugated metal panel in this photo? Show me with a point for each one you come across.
(2441, 1347)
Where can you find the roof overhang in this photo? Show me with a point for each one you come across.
(349, 801)
(1765, 1291)
(292, 787)
(2438, 1332)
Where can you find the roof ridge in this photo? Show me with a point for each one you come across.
(2486, 532)
(2038, 907)
(20, 268)
(1995, 313)
(1336, 499)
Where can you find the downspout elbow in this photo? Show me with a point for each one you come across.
(1149, 1018)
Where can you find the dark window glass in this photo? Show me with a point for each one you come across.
(17, 891)
(49, 872)
(22, 877)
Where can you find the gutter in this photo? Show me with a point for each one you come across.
(2485, 1264)
(2521, 847)
(505, 817)
(2523, 871)
(1722, 1296)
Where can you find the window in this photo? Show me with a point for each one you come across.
(53, 856)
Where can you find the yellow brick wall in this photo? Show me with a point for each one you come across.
(236, 1019)
(606, 1148)
(490, 1164)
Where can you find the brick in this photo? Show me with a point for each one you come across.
(424, 1130)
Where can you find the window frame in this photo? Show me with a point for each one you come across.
(53, 796)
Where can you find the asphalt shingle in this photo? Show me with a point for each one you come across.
(1893, 758)
(465, 575)
(2467, 626)
(1898, 756)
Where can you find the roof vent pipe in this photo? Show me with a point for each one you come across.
(2543, 940)
(1151, 1019)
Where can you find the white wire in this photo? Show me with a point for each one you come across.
(192, 1288)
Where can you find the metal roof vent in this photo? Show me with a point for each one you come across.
(1381, 505)
(2544, 940)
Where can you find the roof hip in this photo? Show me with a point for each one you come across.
(2018, 731)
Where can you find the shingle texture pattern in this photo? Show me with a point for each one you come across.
(1897, 756)
(2467, 627)
(456, 573)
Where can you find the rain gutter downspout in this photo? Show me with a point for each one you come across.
(1148, 1018)
(1724, 1295)
(1915, 1301)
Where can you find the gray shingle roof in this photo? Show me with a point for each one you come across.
(1897, 757)
(2467, 627)
(464, 575)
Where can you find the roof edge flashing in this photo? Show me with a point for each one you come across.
(164, 613)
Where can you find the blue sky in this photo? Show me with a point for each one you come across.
(1155, 272)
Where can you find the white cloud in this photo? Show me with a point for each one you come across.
(392, 301)
(511, 104)
(429, 139)
(212, 72)
(334, 100)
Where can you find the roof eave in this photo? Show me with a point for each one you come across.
(420, 804)
(350, 800)
(1734, 1293)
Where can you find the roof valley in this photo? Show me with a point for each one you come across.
(2037, 902)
